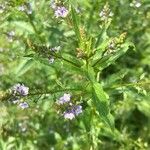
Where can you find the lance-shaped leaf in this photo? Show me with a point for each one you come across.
(75, 24)
(102, 104)
(111, 58)
(24, 66)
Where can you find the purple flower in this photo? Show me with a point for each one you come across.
(10, 36)
(69, 115)
(77, 110)
(21, 89)
(15, 100)
(52, 4)
(26, 8)
(23, 105)
(64, 99)
(51, 60)
(61, 12)
(56, 48)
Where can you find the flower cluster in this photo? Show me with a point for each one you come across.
(53, 4)
(22, 105)
(105, 13)
(64, 99)
(114, 44)
(74, 111)
(51, 60)
(53, 49)
(70, 110)
(10, 36)
(26, 8)
(20, 89)
(60, 11)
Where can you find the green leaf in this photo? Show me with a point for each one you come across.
(112, 79)
(101, 103)
(111, 58)
(72, 68)
(23, 26)
(89, 72)
(75, 24)
(101, 99)
(72, 58)
(24, 66)
(102, 37)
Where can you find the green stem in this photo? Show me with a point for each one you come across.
(64, 59)
(52, 92)
(131, 84)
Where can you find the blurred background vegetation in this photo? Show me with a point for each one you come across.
(126, 81)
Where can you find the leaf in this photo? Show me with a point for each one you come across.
(24, 66)
(89, 72)
(72, 68)
(23, 26)
(111, 58)
(75, 24)
(102, 105)
(102, 41)
(112, 79)
(71, 58)
(100, 98)
(102, 37)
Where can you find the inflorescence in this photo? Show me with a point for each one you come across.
(69, 109)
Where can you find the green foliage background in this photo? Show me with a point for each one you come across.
(117, 119)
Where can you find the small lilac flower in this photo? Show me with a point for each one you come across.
(64, 99)
(77, 110)
(15, 100)
(61, 12)
(10, 35)
(26, 8)
(21, 89)
(53, 4)
(23, 105)
(69, 115)
(29, 8)
(22, 8)
(51, 60)
(105, 13)
(22, 126)
(56, 48)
